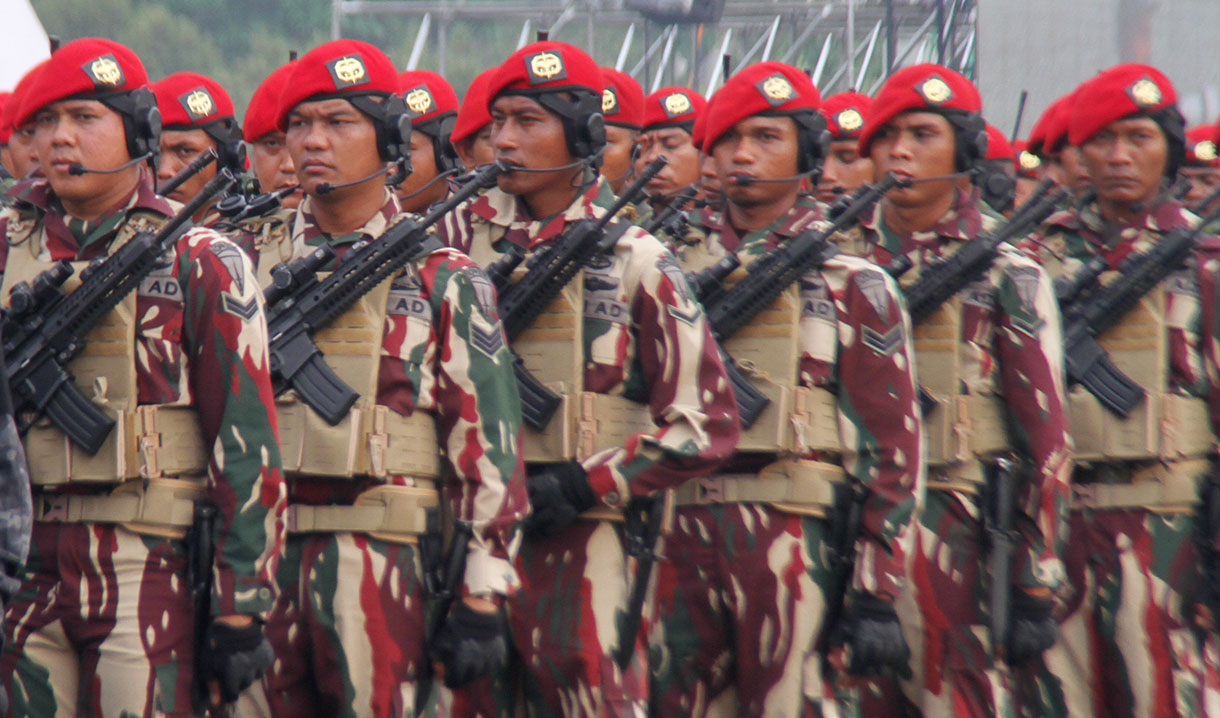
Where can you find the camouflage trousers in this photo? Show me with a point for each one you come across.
(564, 623)
(1125, 647)
(739, 607)
(347, 628)
(101, 626)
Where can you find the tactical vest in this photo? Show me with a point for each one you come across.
(155, 452)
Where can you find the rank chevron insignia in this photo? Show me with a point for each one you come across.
(883, 344)
(489, 340)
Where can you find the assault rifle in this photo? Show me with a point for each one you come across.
(673, 218)
(46, 327)
(841, 559)
(442, 575)
(184, 174)
(1094, 311)
(301, 304)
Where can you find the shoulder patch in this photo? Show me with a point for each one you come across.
(232, 259)
(872, 286)
(484, 291)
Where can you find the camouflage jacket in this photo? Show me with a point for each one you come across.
(443, 352)
(1012, 347)
(846, 302)
(16, 512)
(200, 326)
(645, 338)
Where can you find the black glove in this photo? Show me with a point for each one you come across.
(558, 494)
(1031, 629)
(873, 636)
(235, 657)
(470, 645)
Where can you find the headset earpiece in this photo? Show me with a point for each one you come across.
(144, 133)
(970, 139)
(996, 186)
(584, 126)
(230, 150)
(392, 122)
(443, 151)
(812, 142)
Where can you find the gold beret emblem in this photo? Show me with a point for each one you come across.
(1029, 160)
(1145, 93)
(1205, 151)
(609, 101)
(546, 65)
(350, 70)
(935, 90)
(419, 100)
(106, 71)
(849, 120)
(199, 103)
(778, 88)
(677, 104)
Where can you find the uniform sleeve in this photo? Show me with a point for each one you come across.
(689, 396)
(1029, 348)
(478, 420)
(16, 520)
(880, 428)
(226, 333)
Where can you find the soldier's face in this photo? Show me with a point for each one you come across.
(23, 154)
(87, 133)
(1203, 181)
(272, 165)
(761, 148)
(1126, 161)
(525, 134)
(332, 142)
(844, 170)
(674, 144)
(412, 192)
(709, 181)
(179, 148)
(616, 160)
(1075, 175)
(915, 145)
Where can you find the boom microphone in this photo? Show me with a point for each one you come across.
(77, 170)
(744, 181)
(327, 188)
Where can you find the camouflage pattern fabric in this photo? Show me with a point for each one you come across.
(97, 600)
(646, 339)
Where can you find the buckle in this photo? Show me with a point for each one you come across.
(53, 508)
(710, 490)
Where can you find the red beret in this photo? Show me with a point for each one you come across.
(428, 95)
(1201, 147)
(8, 117)
(1113, 94)
(998, 146)
(5, 130)
(263, 111)
(672, 106)
(622, 100)
(1025, 162)
(188, 99)
(699, 132)
(927, 87)
(845, 113)
(762, 87)
(88, 67)
(546, 67)
(473, 115)
(335, 69)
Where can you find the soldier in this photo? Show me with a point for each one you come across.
(15, 509)
(1202, 167)
(1004, 341)
(471, 135)
(438, 410)
(22, 156)
(197, 117)
(433, 105)
(1048, 140)
(104, 620)
(1127, 647)
(623, 108)
(669, 121)
(996, 176)
(845, 169)
(269, 158)
(641, 355)
(1028, 168)
(762, 526)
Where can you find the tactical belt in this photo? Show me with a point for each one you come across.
(585, 424)
(160, 507)
(965, 427)
(375, 443)
(391, 513)
(1164, 426)
(1162, 488)
(795, 486)
(798, 421)
(149, 442)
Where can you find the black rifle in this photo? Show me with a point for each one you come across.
(841, 559)
(642, 529)
(443, 574)
(551, 270)
(1096, 311)
(672, 218)
(301, 304)
(195, 167)
(46, 328)
(200, 557)
(999, 507)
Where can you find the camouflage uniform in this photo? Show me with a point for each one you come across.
(1126, 646)
(348, 627)
(16, 519)
(103, 620)
(740, 597)
(1010, 351)
(644, 339)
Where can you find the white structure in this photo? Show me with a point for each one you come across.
(25, 42)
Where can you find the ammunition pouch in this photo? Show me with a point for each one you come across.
(964, 428)
(158, 507)
(370, 441)
(1164, 427)
(398, 514)
(1160, 488)
(794, 486)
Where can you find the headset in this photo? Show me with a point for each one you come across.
(141, 121)
(812, 139)
(996, 187)
(970, 138)
(392, 122)
(230, 150)
(439, 129)
(584, 126)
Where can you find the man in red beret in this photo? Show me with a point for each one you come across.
(1134, 563)
(669, 121)
(722, 651)
(641, 365)
(623, 108)
(996, 176)
(269, 157)
(1202, 167)
(1003, 340)
(197, 117)
(471, 135)
(433, 106)
(845, 168)
(22, 156)
(437, 420)
(106, 617)
(1060, 158)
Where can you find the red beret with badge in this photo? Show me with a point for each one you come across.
(263, 111)
(673, 107)
(1201, 147)
(622, 100)
(189, 100)
(928, 88)
(845, 113)
(89, 68)
(1121, 91)
(473, 115)
(336, 69)
(761, 88)
(543, 67)
(428, 95)
(1025, 162)
(998, 146)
